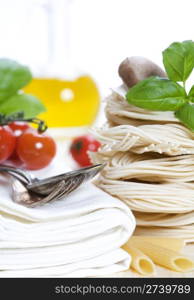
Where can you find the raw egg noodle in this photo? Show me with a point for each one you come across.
(147, 197)
(170, 139)
(125, 165)
(185, 232)
(160, 224)
(149, 159)
(165, 220)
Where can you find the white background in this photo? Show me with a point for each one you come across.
(101, 33)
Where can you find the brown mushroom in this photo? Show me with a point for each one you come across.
(136, 68)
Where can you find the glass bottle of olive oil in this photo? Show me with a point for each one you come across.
(70, 101)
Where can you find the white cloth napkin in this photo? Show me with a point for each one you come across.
(79, 236)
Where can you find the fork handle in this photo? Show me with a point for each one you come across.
(21, 175)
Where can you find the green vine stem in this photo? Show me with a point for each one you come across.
(19, 117)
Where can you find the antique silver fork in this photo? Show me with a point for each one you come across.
(31, 191)
(21, 195)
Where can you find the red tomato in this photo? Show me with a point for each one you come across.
(35, 150)
(18, 127)
(7, 142)
(80, 147)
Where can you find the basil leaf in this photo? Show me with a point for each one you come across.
(178, 60)
(29, 104)
(13, 77)
(191, 94)
(156, 93)
(186, 115)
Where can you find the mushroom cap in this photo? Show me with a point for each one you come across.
(136, 68)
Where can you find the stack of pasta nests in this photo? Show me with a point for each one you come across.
(150, 166)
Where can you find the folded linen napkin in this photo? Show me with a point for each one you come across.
(80, 235)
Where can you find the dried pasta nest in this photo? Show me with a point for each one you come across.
(164, 220)
(168, 139)
(149, 159)
(150, 168)
(148, 197)
(161, 224)
(185, 232)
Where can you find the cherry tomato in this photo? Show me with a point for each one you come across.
(7, 142)
(18, 127)
(35, 150)
(80, 147)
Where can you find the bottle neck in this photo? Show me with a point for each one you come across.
(59, 62)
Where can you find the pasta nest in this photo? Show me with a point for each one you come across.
(149, 159)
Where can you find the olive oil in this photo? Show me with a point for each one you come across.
(68, 102)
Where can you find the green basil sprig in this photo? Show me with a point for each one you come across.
(186, 115)
(161, 94)
(13, 77)
(178, 60)
(155, 93)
